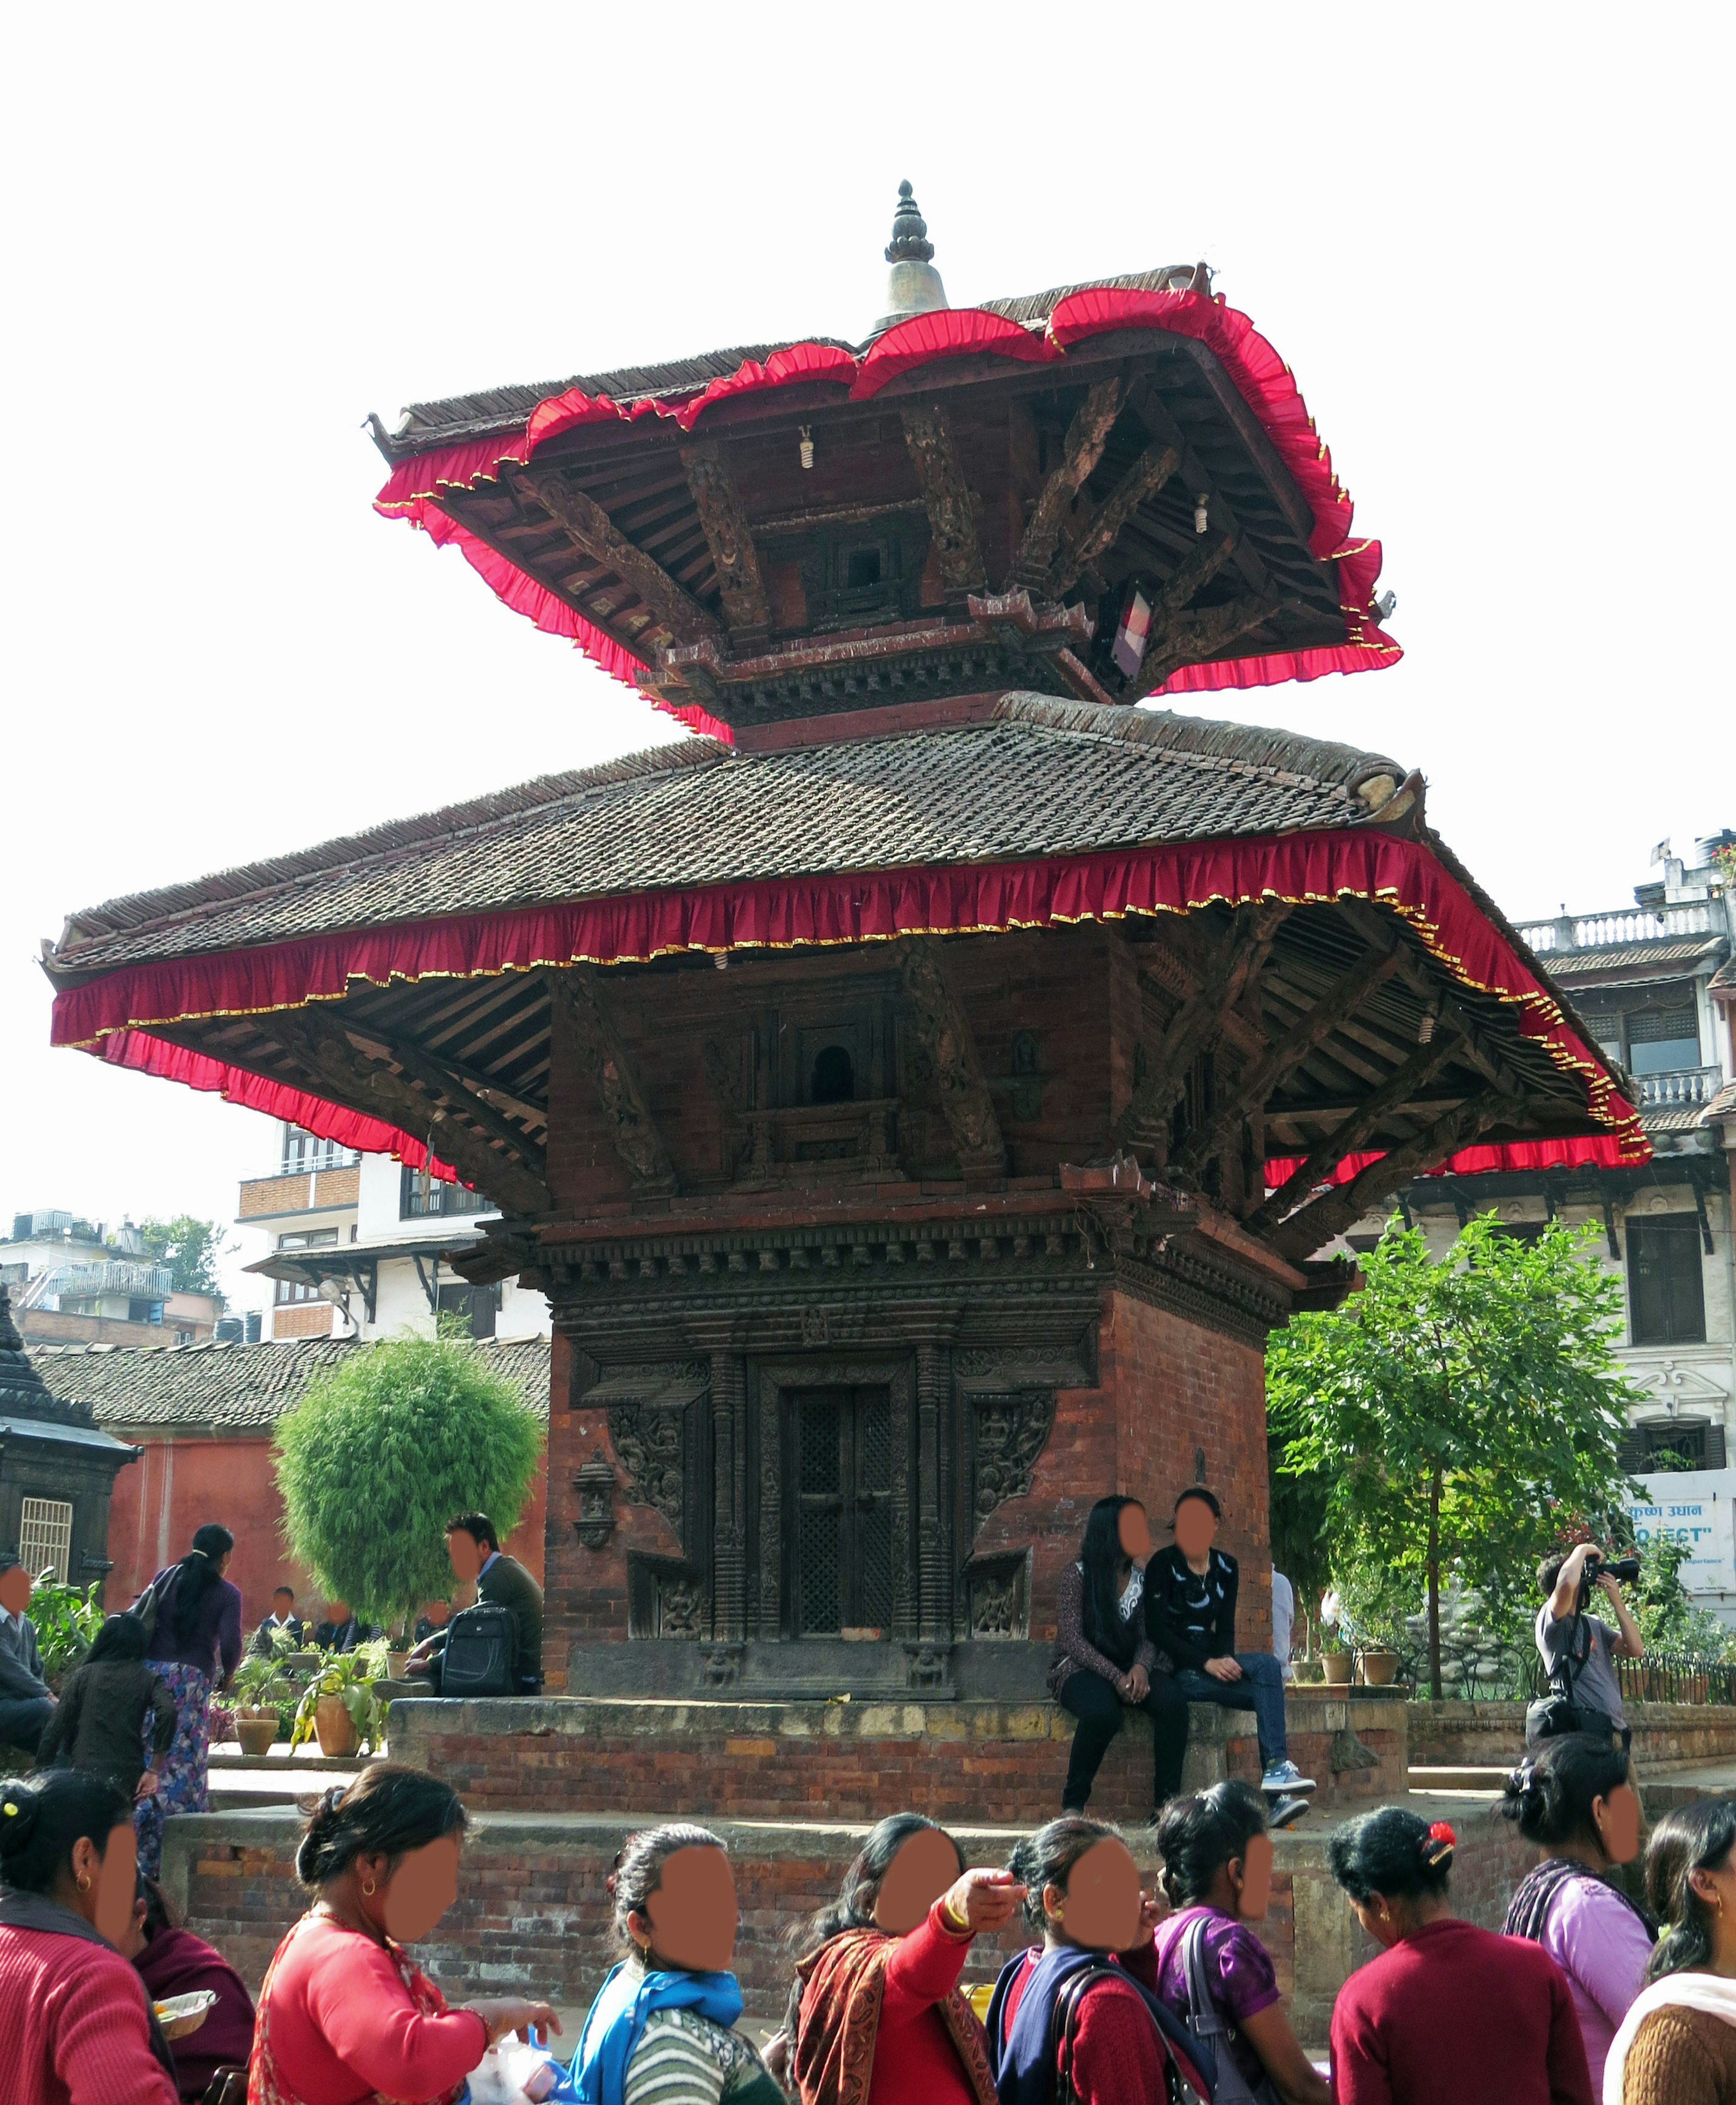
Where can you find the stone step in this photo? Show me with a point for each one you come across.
(1485, 1783)
(226, 1754)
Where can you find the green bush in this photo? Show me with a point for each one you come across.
(66, 1622)
(381, 1453)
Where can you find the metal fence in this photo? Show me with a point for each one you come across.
(1658, 1677)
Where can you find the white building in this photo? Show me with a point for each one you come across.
(360, 1248)
(74, 1282)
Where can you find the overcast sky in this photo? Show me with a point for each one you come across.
(1491, 242)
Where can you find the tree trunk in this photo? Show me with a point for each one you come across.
(1435, 1689)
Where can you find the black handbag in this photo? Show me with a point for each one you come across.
(481, 1657)
(1554, 1716)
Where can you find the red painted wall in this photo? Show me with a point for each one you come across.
(178, 1484)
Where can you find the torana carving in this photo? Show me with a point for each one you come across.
(1008, 1432)
(651, 1446)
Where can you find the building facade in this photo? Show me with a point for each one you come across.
(362, 1246)
(74, 1283)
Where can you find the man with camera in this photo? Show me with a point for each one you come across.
(1579, 1651)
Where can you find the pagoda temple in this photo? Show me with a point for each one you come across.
(920, 1091)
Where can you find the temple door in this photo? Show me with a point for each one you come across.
(843, 1534)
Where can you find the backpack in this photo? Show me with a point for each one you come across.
(1207, 2023)
(150, 1602)
(1183, 2079)
(481, 1657)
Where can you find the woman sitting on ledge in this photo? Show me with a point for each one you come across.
(1105, 1664)
(343, 2014)
(876, 2015)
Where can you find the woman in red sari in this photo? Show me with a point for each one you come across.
(344, 2017)
(877, 2016)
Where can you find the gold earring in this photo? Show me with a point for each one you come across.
(84, 1883)
(367, 1889)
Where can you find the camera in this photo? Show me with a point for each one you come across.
(1624, 1569)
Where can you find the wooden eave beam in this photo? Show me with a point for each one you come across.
(947, 1037)
(1255, 1087)
(322, 1049)
(575, 992)
(1201, 1018)
(1304, 1232)
(946, 497)
(724, 519)
(1190, 639)
(544, 575)
(1153, 413)
(594, 534)
(1086, 437)
(440, 1078)
(1281, 485)
(1145, 479)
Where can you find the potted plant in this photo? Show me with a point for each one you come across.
(1379, 1667)
(1337, 1665)
(337, 1706)
(256, 1718)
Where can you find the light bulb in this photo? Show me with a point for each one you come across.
(1202, 516)
(807, 447)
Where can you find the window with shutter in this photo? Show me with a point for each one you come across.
(843, 1533)
(1667, 1301)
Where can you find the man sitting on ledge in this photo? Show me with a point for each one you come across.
(1190, 1613)
(502, 1582)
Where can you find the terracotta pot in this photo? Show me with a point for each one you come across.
(395, 1663)
(334, 1728)
(1380, 1669)
(256, 1730)
(1337, 1665)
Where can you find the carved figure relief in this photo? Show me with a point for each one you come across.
(651, 1446)
(1008, 1432)
(997, 1598)
(680, 1606)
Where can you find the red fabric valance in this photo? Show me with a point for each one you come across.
(785, 913)
(1581, 1151)
(413, 488)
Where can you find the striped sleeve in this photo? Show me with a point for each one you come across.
(672, 2065)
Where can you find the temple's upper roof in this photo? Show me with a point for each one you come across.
(1034, 778)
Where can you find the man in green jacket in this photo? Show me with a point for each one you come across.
(501, 1582)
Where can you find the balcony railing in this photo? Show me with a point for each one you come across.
(1622, 925)
(82, 1282)
(1687, 1085)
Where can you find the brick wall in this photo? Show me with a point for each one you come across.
(1453, 1735)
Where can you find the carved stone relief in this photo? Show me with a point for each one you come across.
(1008, 1432)
(650, 1444)
(680, 1605)
(997, 1596)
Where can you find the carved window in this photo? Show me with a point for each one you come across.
(843, 1497)
(833, 1080)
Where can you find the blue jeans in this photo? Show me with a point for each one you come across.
(1261, 1690)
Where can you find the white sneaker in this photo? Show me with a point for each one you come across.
(1285, 1776)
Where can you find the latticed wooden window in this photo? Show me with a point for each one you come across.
(1666, 1297)
(844, 1490)
(45, 1538)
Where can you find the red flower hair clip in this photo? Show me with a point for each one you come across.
(1441, 1832)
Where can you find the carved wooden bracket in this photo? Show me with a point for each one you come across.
(632, 1128)
(947, 1038)
(1145, 479)
(952, 516)
(728, 535)
(594, 533)
(1086, 437)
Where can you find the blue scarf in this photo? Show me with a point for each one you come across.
(1022, 2059)
(612, 2029)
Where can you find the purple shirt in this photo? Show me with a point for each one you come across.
(1601, 1944)
(215, 1639)
(1239, 1974)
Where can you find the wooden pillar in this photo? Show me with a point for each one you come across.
(934, 1456)
(729, 1396)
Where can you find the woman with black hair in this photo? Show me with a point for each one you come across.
(661, 2030)
(1447, 2012)
(1212, 1970)
(876, 2014)
(75, 2027)
(174, 1962)
(343, 2013)
(1085, 1999)
(1105, 1664)
(1576, 1803)
(98, 1725)
(194, 1643)
(1677, 2043)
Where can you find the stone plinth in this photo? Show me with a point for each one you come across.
(1462, 1735)
(974, 1762)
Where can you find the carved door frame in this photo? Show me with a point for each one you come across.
(772, 1381)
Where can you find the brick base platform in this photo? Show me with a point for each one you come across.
(978, 1763)
(532, 1913)
(1479, 1735)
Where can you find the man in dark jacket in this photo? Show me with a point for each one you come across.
(26, 1701)
(1190, 1613)
(501, 1581)
(282, 1617)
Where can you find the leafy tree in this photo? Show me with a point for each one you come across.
(1301, 1542)
(192, 1247)
(1460, 1413)
(379, 1454)
(1663, 1608)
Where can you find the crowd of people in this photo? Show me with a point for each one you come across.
(1120, 1993)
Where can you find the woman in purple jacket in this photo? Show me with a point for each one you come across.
(195, 1645)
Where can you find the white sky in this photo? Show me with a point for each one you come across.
(1492, 244)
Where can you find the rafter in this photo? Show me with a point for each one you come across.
(1082, 449)
(1257, 1083)
(437, 1076)
(1148, 406)
(1201, 1017)
(570, 593)
(594, 533)
(952, 516)
(723, 518)
(1393, 1094)
(1145, 479)
(319, 1044)
(1304, 1232)
(948, 1040)
(1188, 638)
(637, 1142)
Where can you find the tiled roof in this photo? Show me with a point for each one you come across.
(1039, 777)
(1724, 980)
(239, 1388)
(1675, 1118)
(490, 410)
(1723, 1106)
(1681, 951)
